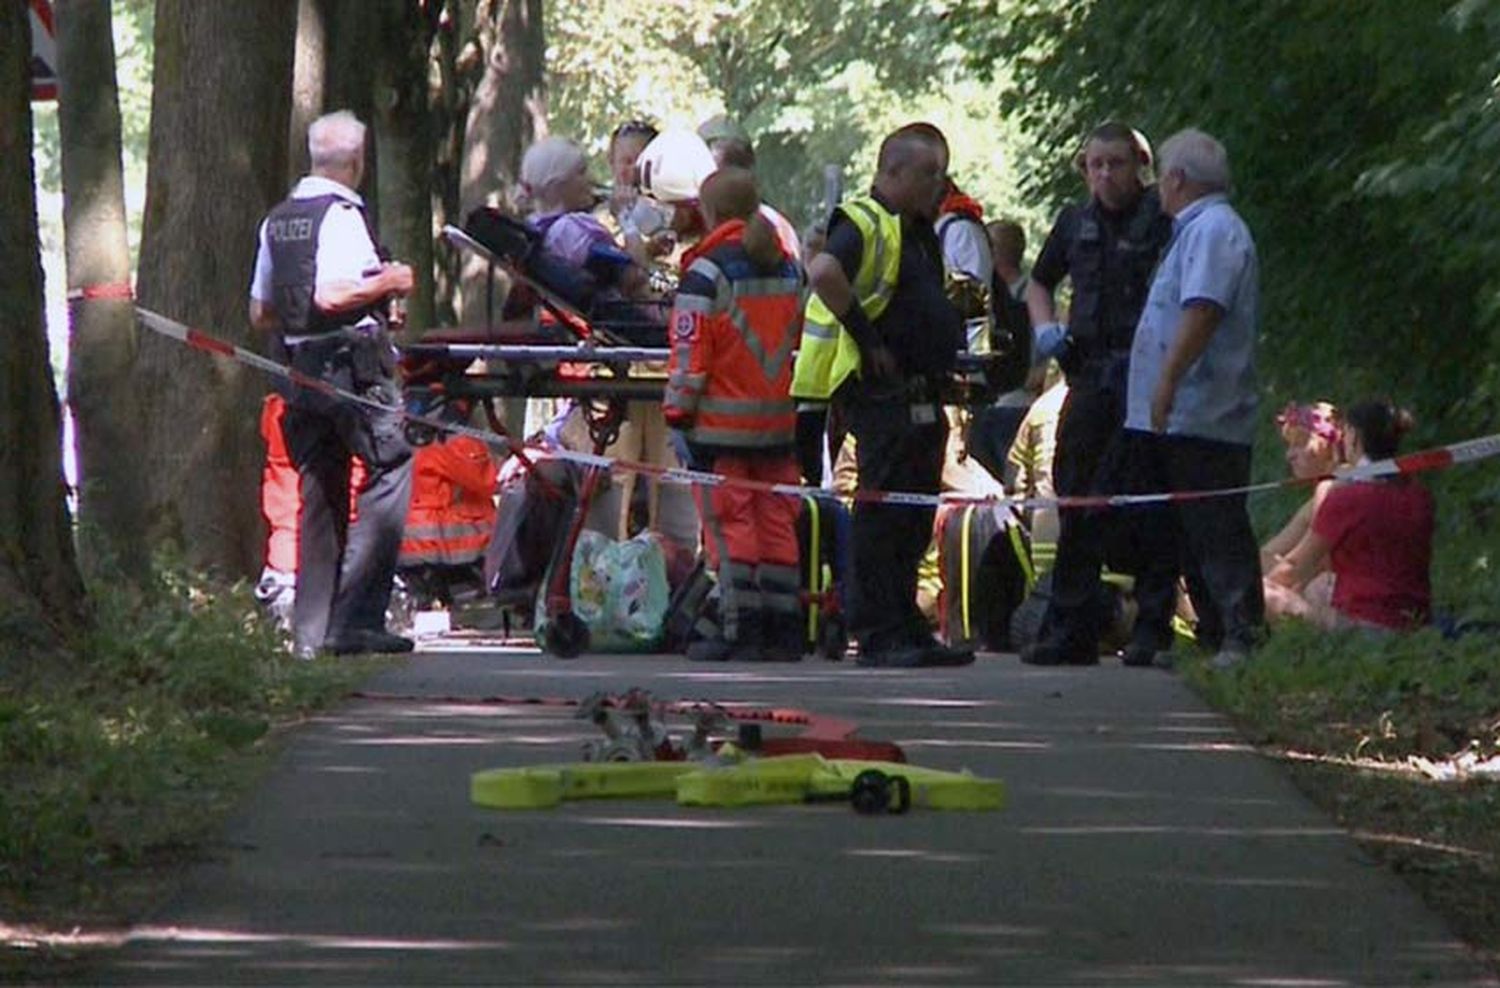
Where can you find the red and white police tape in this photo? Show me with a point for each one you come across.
(116, 290)
(1437, 458)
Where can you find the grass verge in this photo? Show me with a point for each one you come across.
(1390, 736)
(120, 757)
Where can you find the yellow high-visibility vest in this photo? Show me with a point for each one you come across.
(828, 354)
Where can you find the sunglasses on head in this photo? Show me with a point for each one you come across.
(633, 128)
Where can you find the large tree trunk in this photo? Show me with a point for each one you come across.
(371, 57)
(309, 68)
(219, 118)
(41, 594)
(101, 362)
(403, 145)
(457, 66)
(507, 113)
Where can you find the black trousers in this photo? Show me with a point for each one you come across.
(1209, 539)
(899, 448)
(344, 572)
(1092, 457)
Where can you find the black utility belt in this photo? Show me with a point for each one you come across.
(340, 334)
(368, 355)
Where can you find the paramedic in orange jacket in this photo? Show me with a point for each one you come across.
(735, 322)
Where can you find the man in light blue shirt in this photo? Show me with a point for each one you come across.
(1191, 401)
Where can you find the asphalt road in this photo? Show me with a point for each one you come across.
(1144, 843)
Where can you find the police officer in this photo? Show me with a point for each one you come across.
(320, 285)
(879, 337)
(1108, 246)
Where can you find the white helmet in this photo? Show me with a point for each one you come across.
(673, 166)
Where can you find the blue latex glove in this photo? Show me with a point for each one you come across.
(1051, 340)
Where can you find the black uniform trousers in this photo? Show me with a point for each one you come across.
(1092, 457)
(344, 571)
(899, 448)
(1209, 539)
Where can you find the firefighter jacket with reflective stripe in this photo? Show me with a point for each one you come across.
(452, 509)
(828, 354)
(734, 328)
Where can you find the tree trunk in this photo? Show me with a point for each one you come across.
(349, 80)
(403, 146)
(101, 388)
(41, 593)
(218, 157)
(507, 113)
(370, 57)
(309, 68)
(456, 69)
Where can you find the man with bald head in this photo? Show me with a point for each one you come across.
(879, 338)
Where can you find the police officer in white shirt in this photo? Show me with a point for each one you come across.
(321, 286)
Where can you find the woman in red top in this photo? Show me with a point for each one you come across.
(1376, 536)
(1314, 436)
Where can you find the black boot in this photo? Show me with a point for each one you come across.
(786, 638)
(746, 645)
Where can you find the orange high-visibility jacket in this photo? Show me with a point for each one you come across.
(280, 499)
(452, 509)
(733, 329)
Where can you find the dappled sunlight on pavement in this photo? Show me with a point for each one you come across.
(1143, 843)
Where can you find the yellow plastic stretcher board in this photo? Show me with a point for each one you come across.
(753, 782)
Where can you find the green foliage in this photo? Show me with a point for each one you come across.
(1362, 140)
(132, 748)
(815, 83)
(133, 22)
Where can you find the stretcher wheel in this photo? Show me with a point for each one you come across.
(871, 792)
(419, 433)
(566, 636)
(875, 792)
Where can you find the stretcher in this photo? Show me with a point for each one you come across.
(869, 786)
(556, 336)
(557, 339)
(638, 757)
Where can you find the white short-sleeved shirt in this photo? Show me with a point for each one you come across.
(1211, 259)
(966, 246)
(345, 250)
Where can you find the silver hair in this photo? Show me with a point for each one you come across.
(335, 140)
(1201, 159)
(548, 161)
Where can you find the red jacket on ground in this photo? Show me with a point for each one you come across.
(452, 503)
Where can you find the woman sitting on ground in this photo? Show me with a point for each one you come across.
(1314, 437)
(1375, 535)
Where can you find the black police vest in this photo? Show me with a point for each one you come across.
(292, 236)
(1111, 265)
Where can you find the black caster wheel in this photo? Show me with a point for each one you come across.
(566, 636)
(419, 433)
(875, 792)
